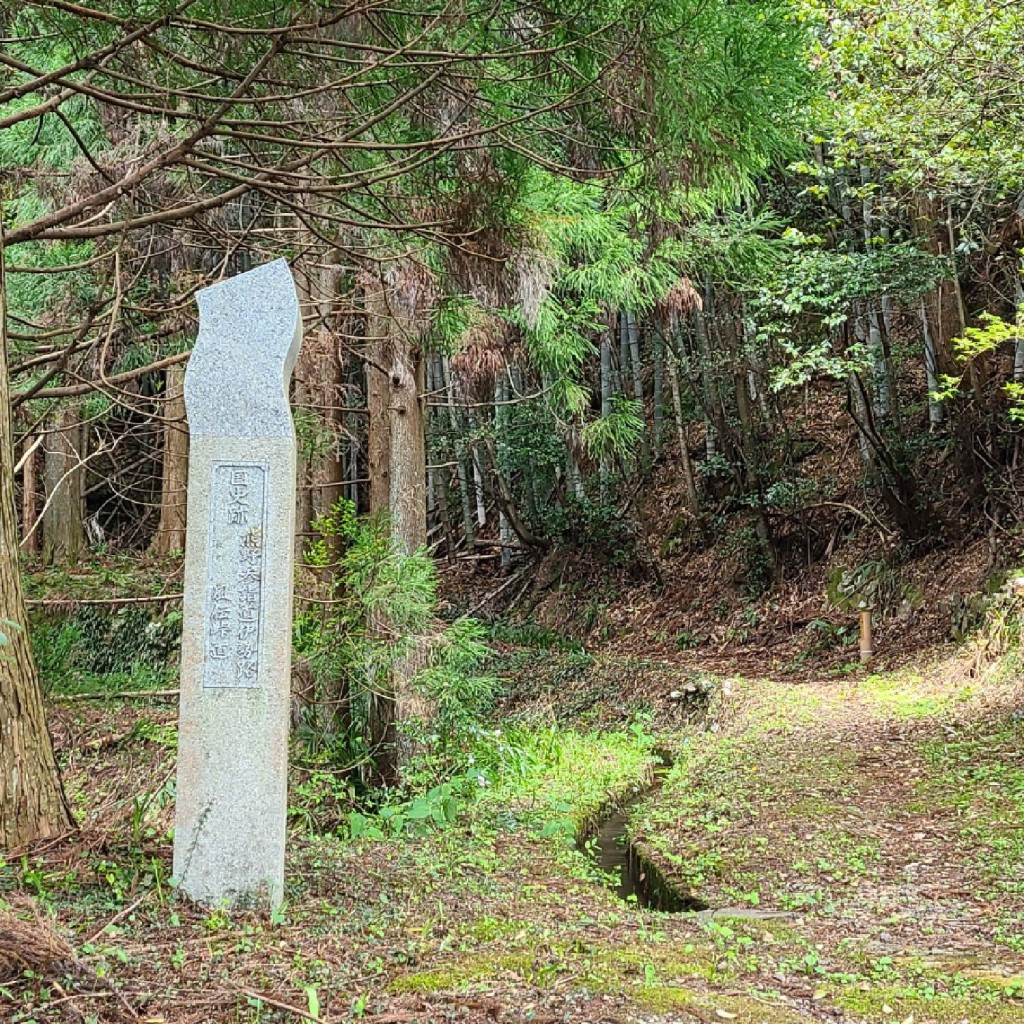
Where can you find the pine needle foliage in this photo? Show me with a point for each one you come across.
(383, 607)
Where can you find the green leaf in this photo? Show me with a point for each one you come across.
(312, 1001)
(419, 810)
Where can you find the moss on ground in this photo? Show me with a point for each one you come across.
(895, 1005)
(656, 975)
(976, 775)
(465, 972)
(887, 813)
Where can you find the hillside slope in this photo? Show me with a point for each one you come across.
(661, 584)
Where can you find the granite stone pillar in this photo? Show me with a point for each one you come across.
(229, 834)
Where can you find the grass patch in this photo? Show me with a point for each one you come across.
(906, 697)
(465, 973)
(717, 817)
(559, 781)
(980, 777)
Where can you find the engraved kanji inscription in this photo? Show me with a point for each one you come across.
(234, 605)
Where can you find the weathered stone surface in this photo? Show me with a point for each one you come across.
(236, 647)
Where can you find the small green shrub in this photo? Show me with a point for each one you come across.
(382, 619)
(601, 530)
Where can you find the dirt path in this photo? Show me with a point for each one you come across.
(886, 817)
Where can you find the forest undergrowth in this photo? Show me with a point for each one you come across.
(853, 839)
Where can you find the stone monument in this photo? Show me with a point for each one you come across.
(236, 645)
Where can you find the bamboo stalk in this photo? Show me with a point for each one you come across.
(606, 404)
(658, 346)
(500, 415)
(633, 336)
(931, 368)
(689, 480)
(463, 475)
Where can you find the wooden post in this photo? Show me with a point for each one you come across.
(867, 650)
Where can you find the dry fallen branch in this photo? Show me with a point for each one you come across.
(34, 946)
(70, 604)
(285, 1007)
(30, 945)
(118, 695)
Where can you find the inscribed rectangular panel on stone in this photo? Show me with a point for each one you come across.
(235, 574)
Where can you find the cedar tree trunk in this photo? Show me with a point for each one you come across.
(170, 534)
(63, 529)
(31, 801)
